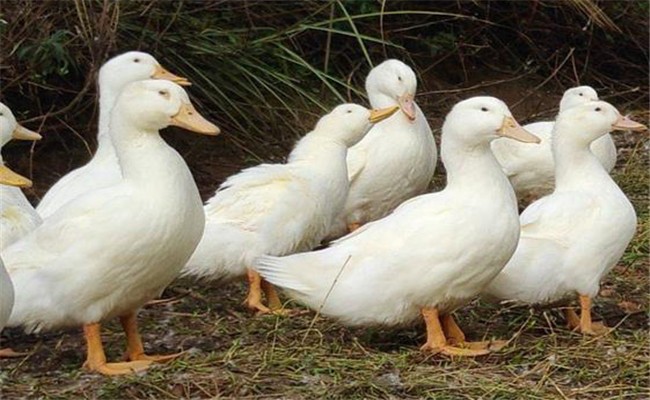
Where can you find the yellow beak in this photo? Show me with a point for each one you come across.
(511, 129)
(23, 133)
(382, 113)
(9, 177)
(161, 73)
(190, 119)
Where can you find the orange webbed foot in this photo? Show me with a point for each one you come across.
(596, 329)
(490, 345)
(586, 326)
(11, 353)
(454, 351)
(118, 368)
(154, 358)
(256, 306)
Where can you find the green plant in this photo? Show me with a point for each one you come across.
(49, 56)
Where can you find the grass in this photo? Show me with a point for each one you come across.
(264, 71)
(231, 354)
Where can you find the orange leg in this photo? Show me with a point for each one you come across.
(276, 306)
(10, 353)
(572, 319)
(452, 331)
(353, 226)
(586, 326)
(254, 299)
(271, 296)
(96, 359)
(134, 347)
(436, 340)
(455, 336)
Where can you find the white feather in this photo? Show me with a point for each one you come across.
(531, 167)
(282, 208)
(103, 169)
(436, 250)
(571, 238)
(109, 251)
(397, 158)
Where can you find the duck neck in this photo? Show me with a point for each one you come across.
(319, 150)
(106, 102)
(474, 168)
(380, 100)
(141, 153)
(575, 165)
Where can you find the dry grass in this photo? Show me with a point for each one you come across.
(233, 355)
(513, 51)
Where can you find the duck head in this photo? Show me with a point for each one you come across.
(479, 120)
(152, 105)
(587, 122)
(393, 83)
(10, 129)
(348, 123)
(576, 96)
(131, 67)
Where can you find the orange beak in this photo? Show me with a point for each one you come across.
(9, 177)
(190, 119)
(511, 129)
(23, 133)
(626, 124)
(161, 73)
(382, 113)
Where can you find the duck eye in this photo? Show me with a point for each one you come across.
(136, 60)
(163, 93)
(399, 78)
(597, 109)
(349, 111)
(484, 109)
(1, 114)
(580, 94)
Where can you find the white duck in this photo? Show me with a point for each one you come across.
(6, 295)
(103, 169)
(279, 209)
(572, 238)
(397, 158)
(434, 253)
(531, 169)
(106, 253)
(17, 216)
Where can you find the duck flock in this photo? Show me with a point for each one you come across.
(346, 226)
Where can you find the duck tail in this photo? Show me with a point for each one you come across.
(281, 272)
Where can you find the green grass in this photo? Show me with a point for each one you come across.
(231, 354)
(234, 355)
(264, 72)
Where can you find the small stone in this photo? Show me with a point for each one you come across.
(390, 379)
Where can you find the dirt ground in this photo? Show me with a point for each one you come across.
(231, 354)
